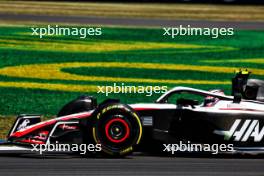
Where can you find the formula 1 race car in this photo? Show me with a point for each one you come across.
(121, 129)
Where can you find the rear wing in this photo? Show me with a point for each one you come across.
(22, 121)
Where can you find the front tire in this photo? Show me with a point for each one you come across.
(117, 128)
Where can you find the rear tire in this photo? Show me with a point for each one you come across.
(117, 128)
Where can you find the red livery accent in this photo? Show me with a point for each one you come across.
(124, 123)
(40, 125)
(31, 141)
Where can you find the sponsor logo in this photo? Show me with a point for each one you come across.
(243, 131)
(23, 125)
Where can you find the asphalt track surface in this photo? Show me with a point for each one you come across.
(135, 165)
(130, 21)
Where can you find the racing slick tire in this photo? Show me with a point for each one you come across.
(117, 128)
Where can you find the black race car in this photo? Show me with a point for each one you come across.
(120, 129)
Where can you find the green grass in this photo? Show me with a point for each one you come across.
(246, 44)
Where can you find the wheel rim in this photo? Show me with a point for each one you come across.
(117, 130)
